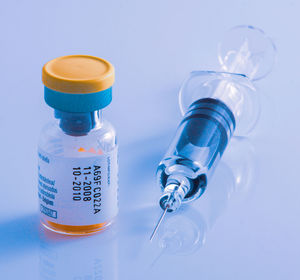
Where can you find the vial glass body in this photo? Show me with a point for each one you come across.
(77, 177)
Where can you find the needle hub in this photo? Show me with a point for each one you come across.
(174, 192)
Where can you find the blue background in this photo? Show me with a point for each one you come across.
(246, 226)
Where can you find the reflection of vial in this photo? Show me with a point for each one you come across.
(59, 258)
(77, 153)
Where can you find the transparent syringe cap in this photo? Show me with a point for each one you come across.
(246, 54)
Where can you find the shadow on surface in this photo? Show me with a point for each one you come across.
(18, 236)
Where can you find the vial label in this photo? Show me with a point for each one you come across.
(78, 191)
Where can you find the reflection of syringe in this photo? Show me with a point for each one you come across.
(215, 106)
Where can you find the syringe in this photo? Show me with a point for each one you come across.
(215, 106)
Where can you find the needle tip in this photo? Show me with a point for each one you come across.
(158, 223)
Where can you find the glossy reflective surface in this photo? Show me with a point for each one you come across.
(245, 226)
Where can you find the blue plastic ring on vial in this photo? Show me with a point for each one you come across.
(78, 103)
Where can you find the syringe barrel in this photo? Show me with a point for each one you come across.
(198, 145)
(215, 105)
(235, 90)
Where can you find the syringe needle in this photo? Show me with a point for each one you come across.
(159, 222)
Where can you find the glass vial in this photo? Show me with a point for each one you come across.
(77, 152)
